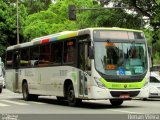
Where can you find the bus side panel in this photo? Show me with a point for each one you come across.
(55, 78)
(47, 80)
(32, 77)
(10, 79)
(72, 74)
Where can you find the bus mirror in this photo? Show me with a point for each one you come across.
(91, 53)
(150, 52)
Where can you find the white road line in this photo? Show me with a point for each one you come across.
(129, 112)
(3, 105)
(39, 103)
(14, 102)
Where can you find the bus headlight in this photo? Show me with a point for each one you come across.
(99, 83)
(146, 83)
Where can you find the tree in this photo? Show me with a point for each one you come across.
(53, 20)
(7, 28)
(113, 18)
(34, 6)
(8, 24)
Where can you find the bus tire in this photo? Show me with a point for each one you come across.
(25, 92)
(116, 102)
(0, 90)
(72, 101)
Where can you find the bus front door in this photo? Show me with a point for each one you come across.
(84, 65)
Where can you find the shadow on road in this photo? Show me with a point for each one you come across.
(85, 104)
(152, 99)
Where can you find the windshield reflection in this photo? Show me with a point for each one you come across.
(120, 58)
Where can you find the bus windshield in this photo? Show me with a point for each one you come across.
(120, 58)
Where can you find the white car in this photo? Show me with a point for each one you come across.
(154, 85)
(1, 83)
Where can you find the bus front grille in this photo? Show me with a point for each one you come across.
(119, 93)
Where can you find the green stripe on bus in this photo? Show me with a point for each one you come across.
(67, 36)
(74, 76)
(113, 85)
(117, 29)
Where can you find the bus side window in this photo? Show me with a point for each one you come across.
(44, 58)
(69, 51)
(56, 53)
(16, 59)
(24, 58)
(34, 55)
(9, 61)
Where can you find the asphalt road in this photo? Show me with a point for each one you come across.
(12, 103)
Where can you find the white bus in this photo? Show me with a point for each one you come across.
(87, 64)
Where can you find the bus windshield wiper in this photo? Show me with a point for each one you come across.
(108, 40)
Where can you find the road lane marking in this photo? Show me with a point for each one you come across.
(39, 103)
(14, 102)
(34, 102)
(3, 105)
(126, 111)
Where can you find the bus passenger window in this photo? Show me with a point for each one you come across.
(56, 53)
(24, 58)
(69, 51)
(9, 61)
(34, 56)
(44, 55)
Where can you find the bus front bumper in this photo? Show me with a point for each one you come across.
(102, 93)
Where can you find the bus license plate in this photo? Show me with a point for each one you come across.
(124, 96)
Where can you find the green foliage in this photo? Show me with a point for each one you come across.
(148, 34)
(38, 24)
(6, 26)
(55, 19)
(34, 6)
(51, 21)
(113, 18)
(42, 17)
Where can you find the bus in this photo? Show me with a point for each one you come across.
(88, 64)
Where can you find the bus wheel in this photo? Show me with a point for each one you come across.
(0, 90)
(25, 91)
(116, 102)
(72, 101)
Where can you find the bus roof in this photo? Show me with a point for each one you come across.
(64, 35)
(114, 28)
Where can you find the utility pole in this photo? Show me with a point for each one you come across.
(17, 23)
